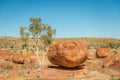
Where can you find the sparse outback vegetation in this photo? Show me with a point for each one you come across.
(15, 45)
(86, 46)
(39, 32)
(93, 66)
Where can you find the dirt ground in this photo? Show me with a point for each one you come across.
(90, 70)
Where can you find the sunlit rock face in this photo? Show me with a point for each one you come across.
(103, 52)
(67, 54)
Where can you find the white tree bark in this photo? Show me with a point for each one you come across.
(37, 52)
(43, 58)
(37, 55)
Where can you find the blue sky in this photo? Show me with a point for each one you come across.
(71, 18)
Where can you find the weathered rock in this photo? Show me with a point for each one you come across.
(103, 52)
(68, 54)
(18, 58)
(29, 59)
(91, 56)
(111, 61)
(23, 58)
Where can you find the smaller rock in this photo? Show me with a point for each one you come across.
(103, 52)
(91, 56)
(26, 60)
(18, 58)
(111, 61)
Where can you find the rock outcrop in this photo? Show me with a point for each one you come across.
(91, 56)
(23, 59)
(67, 54)
(112, 61)
(103, 52)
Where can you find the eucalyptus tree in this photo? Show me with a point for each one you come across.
(41, 33)
(46, 39)
(24, 36)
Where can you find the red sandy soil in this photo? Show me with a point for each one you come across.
(90, 70)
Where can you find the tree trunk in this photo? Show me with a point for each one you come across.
(43, 58)
(39, 62)
(37, 52)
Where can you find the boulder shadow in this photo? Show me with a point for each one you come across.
(64, 68)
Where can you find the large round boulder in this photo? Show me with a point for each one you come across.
(103, 52)
(67, 54)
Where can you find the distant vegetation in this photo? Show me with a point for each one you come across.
(14, 44)
(96, 42)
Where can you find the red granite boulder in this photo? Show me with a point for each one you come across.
(23, 58)
(18, 58)
(68, 54)
(103, 52)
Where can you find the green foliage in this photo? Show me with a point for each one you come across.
(41, 31)
(9, 67)
(103, 42)
(24, 37)
(38, 31)
(113, 77)
(38, 76)
(24, 45)
(36, 27)
(47, 37)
